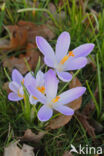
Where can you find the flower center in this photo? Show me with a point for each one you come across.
(55, 99)
(41, 89)
(66, 57)
(20, 95)
(35, 98)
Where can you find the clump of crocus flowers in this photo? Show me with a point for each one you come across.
(43, 88)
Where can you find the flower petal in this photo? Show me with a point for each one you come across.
(51, 84)
(29, 80)
(45, 113)
(17, 76)
(34, 92)
(83, 50)
(49, 62)
(62, 45)
(71, 95)
(64, 110)
(40, 78)
(75, 64)
(21, 92)
(64, 76)
(14, 97)
(45, 48)
(14, 86)
(32, 100)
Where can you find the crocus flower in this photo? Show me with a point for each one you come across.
(37, 84)
(52, 101)
(16, 86)
(62, 60)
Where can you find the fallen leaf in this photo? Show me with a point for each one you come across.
(67, 153)
(32, 137)
(16, 34)
(14, 150)
(87, 112)
(63, 119)
(23, 33)
(84, 120)
(58, 122)
(27, 150)
(36, 30)
(14, 62)
(31, 57)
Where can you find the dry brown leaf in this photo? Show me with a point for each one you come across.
(6, 87)
(58, 122)
(14, 62)
(18, 38)
(84, 120)
(67, 153)
(27, 150)
(31, 56)
(36, 30)
(87, 112)
(62, 119)
(32, 137)
(24, 33)
(14, 150)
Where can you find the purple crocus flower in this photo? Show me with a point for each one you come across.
(62, 61)
(37, 84)
(51, 100)
(16, 86)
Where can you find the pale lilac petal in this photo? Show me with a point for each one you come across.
(34, 92)
(45, 48)
(40, 78)
(64, 76)
(45, 113)
(48, 62)
(21, 92)
(83, 50)
(75, 64)
(62, 45)
(29, 80)
(51, 84)
(32, 100)
(71, 95)
(17, 76)
(64, 110)
(14, 97)
(14, 86)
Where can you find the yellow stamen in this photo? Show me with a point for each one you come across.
(71, 54)
(41, 89)
(55, 99)
(65, 58)
(35, 98)
(20, 95)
